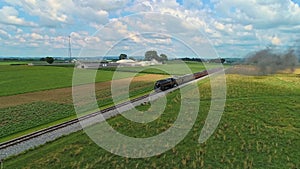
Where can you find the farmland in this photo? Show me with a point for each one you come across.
(34, 110)
(40, 96)
(24, 79)
(6, 63)
(259, 129)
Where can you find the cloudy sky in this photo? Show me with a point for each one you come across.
(207, 28)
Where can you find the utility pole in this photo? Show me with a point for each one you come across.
(70, 50)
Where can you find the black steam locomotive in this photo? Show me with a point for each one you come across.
(168, 83)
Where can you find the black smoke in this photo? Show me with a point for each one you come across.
(268, 61)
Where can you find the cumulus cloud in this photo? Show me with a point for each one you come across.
(275, 40)
(36, 36)
(262, 14)
(103, 4)
(55, 13)
(248, 27)
(9, 15)
(4, 34)
(233, 27)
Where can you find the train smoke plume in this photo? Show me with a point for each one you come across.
(268, 61)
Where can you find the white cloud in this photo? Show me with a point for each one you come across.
(262, 14)
(19, 30)
(36, 36)
(232, 26)
(9, 15)
(275, 40)
(4, 34)
(219, 26)
(54, 13)
(248, 27)
(103, 4)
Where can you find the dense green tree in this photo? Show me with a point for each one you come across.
(163, 57)
(152, 54)
(132, 58)
(122, 56)
(222, 60)
(49, 60)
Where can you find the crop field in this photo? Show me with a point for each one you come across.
(260, 128)
(26, 116)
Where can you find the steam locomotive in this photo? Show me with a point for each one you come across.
(168, 83)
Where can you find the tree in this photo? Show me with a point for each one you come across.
(49, 60)
(152, 54)
(222, 60)
(163, 57)
(122, 56)
(131, 58)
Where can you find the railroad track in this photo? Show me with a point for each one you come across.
(59, 126)
(30, 136)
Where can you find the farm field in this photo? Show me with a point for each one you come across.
(43, 108)
(6, 63)
(24, 79)
(34, 110)
(260, 128)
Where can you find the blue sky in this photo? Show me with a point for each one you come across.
(208, 28)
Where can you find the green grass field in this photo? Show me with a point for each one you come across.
(24, 79)
(260, 128)
(2, 63)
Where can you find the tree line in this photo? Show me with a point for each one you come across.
(149, 55)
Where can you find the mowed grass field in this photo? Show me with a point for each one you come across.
(260, 128)
(2, 63)
(24, 79)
